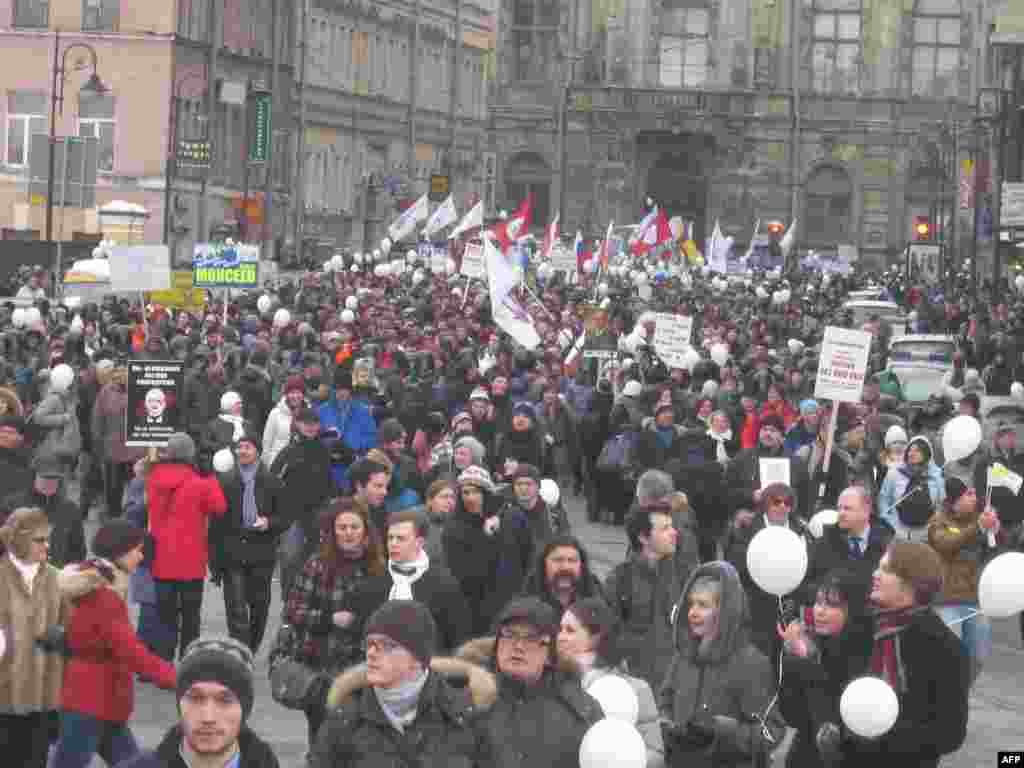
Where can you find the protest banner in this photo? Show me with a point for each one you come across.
(154, 402)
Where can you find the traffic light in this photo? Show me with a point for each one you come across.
(922, 228)
(775, 228)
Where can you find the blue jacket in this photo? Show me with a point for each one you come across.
(894, 486)
(355, 424)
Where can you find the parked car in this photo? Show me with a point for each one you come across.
(889, 312)
(920, 361)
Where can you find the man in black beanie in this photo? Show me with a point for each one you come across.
(215, 698)
(400, 702)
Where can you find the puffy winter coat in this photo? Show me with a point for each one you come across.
(277, 433)
(181, 503)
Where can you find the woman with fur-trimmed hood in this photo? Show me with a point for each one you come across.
(404, 705)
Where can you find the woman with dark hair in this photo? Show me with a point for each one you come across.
(588, 645)
(820, 659)
(317, 630)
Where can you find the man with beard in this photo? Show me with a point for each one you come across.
(545, 522)
(561, 574)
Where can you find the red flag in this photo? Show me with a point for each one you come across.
(664, 233)
(516, 225)
(550, 238)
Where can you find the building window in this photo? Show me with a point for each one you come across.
(935, 72)
(193, 16)
(533, 39)
(26, 115)
(32, 13)
(829, 194)
(685, 44)
(836, 48)
(96, 120)
(100, 15)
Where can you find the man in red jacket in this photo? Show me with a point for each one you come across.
(181, 502)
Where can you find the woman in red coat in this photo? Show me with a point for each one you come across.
(180, 502)
(105, 655)
(775, 405)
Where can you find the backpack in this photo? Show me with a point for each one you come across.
(915, 506)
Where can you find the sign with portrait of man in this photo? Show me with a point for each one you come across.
(154, 393)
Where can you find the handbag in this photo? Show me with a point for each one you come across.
(292, 682)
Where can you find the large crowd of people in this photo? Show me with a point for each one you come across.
(392, 453)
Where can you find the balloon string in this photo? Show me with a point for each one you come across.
(961, 620)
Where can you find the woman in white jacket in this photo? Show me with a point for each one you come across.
(588, 646)
(278, 431)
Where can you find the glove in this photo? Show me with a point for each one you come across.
(829, 741)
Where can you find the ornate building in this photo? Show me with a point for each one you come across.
(853, 116)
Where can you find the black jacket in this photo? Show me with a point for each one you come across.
(743, 477)
(255, 753)
(230, 544)
(201, 401)
(832, 551)
(304, 469)
(254, 387)
(437, 589)
(16, 475)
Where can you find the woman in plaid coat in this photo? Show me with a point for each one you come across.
(320, 632)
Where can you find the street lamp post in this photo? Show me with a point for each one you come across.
(92, 85)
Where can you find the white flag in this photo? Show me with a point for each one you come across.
(474, 218)
(1001, 477)
(718, 250)
(442, 217)
(786, 243)
(753, 237)
(508, 315)
(408, 219)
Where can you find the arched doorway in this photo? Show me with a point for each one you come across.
(527, 173)
(677, 177)
(828, 208)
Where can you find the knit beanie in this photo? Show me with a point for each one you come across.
(478, 477)
(295, 384)
(180, 447)
(116, 538)
(218, 660)
(409, 624)
(895, 434)
(476, 448)
(525, 409)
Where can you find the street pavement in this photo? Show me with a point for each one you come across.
(997, 702)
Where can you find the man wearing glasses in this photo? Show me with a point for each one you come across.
(774, 509)
(548, 729)
(399, 707)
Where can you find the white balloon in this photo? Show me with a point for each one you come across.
(761, 293)
(76, 323)
(263, 304)
(354, 268)
(960, 438)
(1017, 390)
(690, 359)
(869, 707)
(352, 303)
(348, 316)
(282, 317)
(795, 346)
(550, 493)
(1019, 282)
(640, 278)
(328, 267)
(385, 245)
(33, 316)
(818, 522)
(777, 560)
(397, 267)
(18, 317)
(720, 353)
(418, 276)
(1001, 586)
(381, 270)
(612, 743)
(377, 255)
(61, 377)
(223, 461)
(589, 266)
(357, 257)
(616, 697)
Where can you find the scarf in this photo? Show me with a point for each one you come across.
(886, 658)
(721, 438)
(665, 435)
(238, 423)
(404, 575)
(399, 703)
(249, 509)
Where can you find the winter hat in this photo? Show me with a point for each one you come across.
(460, 417)
(810, 405)
(480, 394)
(923, 444)
(389, 431)
(478, 477)
(180, 447)
(476, 448)
(532, 611)
(409, 624)
(229, 400)
(955, 488)
(218, 660)
(525, 409)
(295, 384)
(116, 538)
(895, 434)
(633, 388)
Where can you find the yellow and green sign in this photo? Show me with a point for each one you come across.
(220, 265)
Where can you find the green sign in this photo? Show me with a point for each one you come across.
(217, 265)
(259, 127)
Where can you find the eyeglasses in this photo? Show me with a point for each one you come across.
(529, 639)
(380, 645)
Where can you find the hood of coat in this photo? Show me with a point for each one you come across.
(80, 579)
(481, 684)
(165, 478)
(733, 614)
